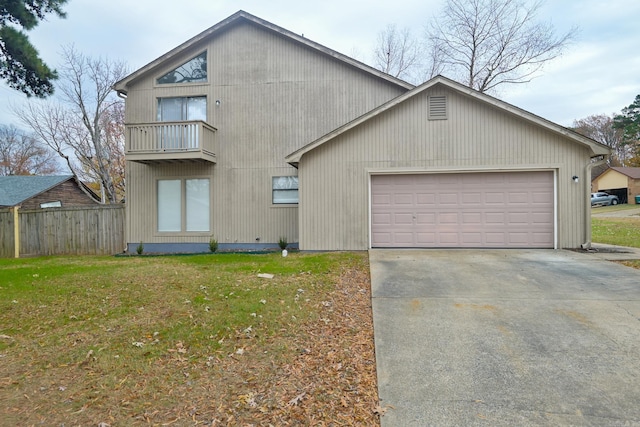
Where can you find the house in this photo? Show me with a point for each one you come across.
(40, 192)
(620, 181)
(247, 133)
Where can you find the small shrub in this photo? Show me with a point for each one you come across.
(140, 248)
(213, 245)
(282, 242)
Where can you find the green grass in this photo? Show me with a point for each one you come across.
(616, 231)
(109, 335)
(612, 208)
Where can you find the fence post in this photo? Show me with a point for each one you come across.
(16, 232)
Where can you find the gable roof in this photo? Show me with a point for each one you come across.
(633, 173)
(596, 148)
(242, 16)
(16, 189)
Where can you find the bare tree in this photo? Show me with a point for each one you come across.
(22, 154)
(486, 43)
(81, 129)
(397, 53)
(112, 123)
(600, 128)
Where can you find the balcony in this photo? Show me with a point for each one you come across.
(170, 142)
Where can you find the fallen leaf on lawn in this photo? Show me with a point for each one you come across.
(248, 399)
(296, 400)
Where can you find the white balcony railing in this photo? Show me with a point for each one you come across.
(153, 142)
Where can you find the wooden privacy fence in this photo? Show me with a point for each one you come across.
(94, 230)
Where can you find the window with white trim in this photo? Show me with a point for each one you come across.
(183, 205)
(284, 190)
(56, 204)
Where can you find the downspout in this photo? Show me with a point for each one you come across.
(587, 183)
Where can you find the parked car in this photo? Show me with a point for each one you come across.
(604, 199)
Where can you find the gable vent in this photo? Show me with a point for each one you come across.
(437, 108)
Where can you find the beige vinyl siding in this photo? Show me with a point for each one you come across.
(275, 96)
(231, 223)
(334, 178)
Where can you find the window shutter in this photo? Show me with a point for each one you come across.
(437, 108)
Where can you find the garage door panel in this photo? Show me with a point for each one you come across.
(424, 198)
(426, 218)
(518, 198)
(518, 238)
(471, 198)
(472, 218)
(494, 218)
(426, 239)
(542, 238)
(538, 197)
(448, 218)
(494, 209)
(474, 238)
(542, 218)
(403, 219)
(494, 198)
(405, 239)
(382, 238)
(519, 218)
(403, 199)
(497, 238)
(448, 238)
(381, 219)
(448, 199)
(381, 199)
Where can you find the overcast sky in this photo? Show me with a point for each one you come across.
(599, 73)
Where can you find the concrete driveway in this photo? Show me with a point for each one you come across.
(505, 337)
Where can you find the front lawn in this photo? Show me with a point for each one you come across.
(623, 231)
(187, 340)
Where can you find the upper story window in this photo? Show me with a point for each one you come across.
(192, 71)
(182, 108)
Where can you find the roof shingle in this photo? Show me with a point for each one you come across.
(16, 189)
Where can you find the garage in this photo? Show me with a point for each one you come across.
(463, 210)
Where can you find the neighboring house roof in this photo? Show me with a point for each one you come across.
(598, 170)
(242, 16)
(633, 173)
(16, 189)
(595, 147)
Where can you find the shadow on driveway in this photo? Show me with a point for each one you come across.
(505, 337)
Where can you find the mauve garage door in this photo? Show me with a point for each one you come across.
(463, 210)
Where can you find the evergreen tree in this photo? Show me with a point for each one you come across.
(20, 64)
(629, 122)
